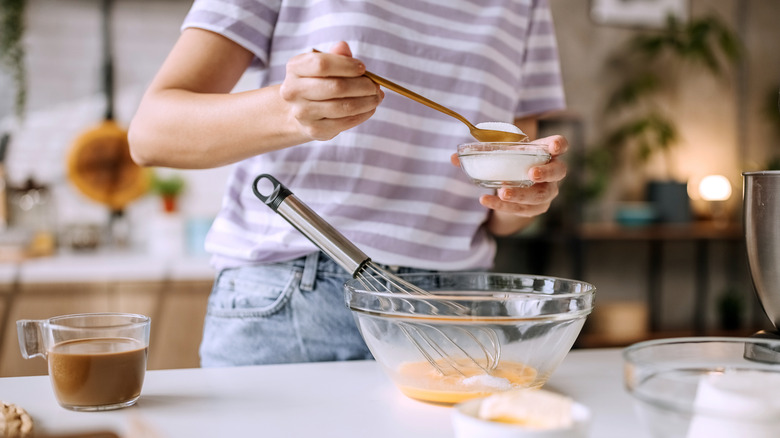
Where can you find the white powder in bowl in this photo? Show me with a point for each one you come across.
(502, 165)
(486, 382)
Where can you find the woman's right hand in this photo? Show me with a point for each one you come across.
(327, 92)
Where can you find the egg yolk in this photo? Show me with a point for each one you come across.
(421, 381)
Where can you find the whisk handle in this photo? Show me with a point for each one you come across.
(281, 200)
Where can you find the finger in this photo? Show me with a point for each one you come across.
(552, 171)
(526, 210)
(341, 48)
(542, 193)
(336, 108)
(455, 160)
(326, 129)
(329, 88)
(556, 144)
(325, 65)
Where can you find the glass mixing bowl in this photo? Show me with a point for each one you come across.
(706, 387)
(474, 334)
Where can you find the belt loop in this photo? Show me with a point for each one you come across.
(310, 271)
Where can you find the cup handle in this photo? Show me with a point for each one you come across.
(30, 339)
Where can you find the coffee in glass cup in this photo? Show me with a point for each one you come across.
(97, 361)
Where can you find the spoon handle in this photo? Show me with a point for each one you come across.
(416, 97)
(390, 85)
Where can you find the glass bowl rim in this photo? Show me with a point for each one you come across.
(493, 146)
(590, 289)
(629, 351)
(578, 304)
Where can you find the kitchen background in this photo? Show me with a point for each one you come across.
(723, 123)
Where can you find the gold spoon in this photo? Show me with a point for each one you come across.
(483, 135)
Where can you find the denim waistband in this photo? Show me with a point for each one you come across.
(318, 262)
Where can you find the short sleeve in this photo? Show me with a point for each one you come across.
(541, 88)
(249, 23)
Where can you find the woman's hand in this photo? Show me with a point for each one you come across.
(327, 92)
(515, 207)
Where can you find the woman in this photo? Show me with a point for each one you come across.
(377, 167)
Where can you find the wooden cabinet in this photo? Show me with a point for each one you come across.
(177, 327)
(177, 309)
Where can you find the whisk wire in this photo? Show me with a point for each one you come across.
(376, 279)
(388, 282)
(408, 332)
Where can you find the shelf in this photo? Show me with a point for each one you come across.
(683, 231)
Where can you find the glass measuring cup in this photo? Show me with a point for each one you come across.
(96, 361)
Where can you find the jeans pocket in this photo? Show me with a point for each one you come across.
(255, 291)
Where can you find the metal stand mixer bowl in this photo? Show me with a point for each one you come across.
(761, 209)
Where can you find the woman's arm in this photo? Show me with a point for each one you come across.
(189, 119)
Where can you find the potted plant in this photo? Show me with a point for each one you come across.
(12, 52)
(636, 123)
(168, 188)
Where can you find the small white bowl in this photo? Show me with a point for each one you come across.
(467, 424)
(496, 165)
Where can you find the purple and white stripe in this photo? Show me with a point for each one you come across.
(388, 184)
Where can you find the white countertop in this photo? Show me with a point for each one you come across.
(106, 266)
(331, 399)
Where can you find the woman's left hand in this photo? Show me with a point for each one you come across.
(514, 207)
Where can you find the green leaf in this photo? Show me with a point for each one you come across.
(632, 91)
(648, 62)
(169, 186)
(12, 53)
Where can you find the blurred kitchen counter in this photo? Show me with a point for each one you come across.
(105, 266)
(321, 399)
(173, 291)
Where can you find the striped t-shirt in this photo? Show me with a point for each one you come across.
(387, 184)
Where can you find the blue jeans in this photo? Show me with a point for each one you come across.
(281, 313)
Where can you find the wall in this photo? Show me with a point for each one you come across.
(722, 123)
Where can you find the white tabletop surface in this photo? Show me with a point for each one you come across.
(332, 399)
(106, 266)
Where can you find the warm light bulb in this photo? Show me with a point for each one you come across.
(715, 188)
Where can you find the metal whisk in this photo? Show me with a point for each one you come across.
(432, 342)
